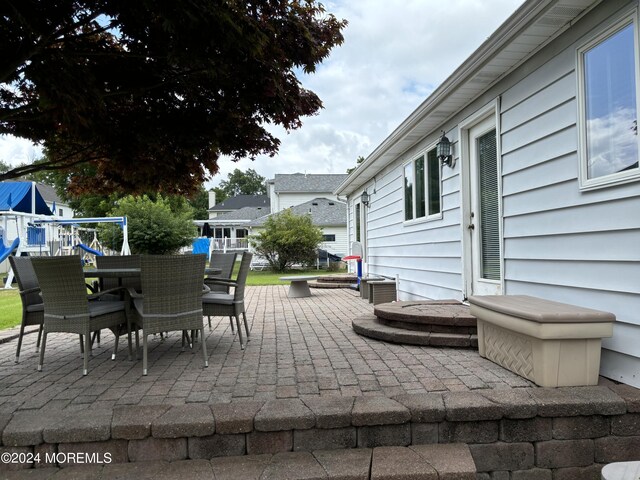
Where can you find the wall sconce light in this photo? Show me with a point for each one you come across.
(364, 198)
(443, 150)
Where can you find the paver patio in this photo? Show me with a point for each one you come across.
(299, 347)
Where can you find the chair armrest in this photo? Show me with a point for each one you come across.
(131, 293)
(220, 281)
(97, 295)
(205, 288)
(30, 290)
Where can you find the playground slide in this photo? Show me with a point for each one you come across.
(6, 251)
(87, 248)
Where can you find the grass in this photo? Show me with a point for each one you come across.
(11, 308)
(267, 277)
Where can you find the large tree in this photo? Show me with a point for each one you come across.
(244, 183)
(150, 93)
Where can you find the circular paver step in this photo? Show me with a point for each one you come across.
(329, 285)
(338, 279)
(370, 326)
(427, 312)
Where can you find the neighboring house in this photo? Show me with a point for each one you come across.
(543, 197)
(328, 214)
(232, 204)
(230, 221)
(227, 223)
(58, 206)
(287, 190)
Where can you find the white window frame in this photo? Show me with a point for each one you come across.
(618, 178)
(434, 216)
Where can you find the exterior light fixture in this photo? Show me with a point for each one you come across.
(443, 150)
(364, 198)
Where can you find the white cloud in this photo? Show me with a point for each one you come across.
(394, 55)
(15, 151)
(613, 142)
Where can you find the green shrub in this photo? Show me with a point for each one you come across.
(155, 227)
(287, 239)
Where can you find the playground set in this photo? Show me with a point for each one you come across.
(29, 227)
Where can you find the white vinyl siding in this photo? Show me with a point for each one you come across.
(339, 246)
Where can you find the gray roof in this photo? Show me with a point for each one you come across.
(244, 213)
(301, 182)
(324, 213)
(49, 193)
(241, 201)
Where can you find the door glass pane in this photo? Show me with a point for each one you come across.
(408, 191)
(610, 104)
(357, 215)
(420, 188)
(433, 172)
(489, 210)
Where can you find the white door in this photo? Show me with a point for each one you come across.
(483, 220)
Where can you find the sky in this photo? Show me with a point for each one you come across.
(395, 53)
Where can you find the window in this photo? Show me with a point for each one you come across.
(60, 212)
(422, 196)
(328, 238)
(241, 232)
(609, 108)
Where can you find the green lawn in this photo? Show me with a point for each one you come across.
(11, 310)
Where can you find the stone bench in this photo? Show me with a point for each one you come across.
(550, 343)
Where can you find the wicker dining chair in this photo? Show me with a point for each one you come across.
(32, 306)
(170, 298)
(225, 262)
(67, 307)
(230, 304)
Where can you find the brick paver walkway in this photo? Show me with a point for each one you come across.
(298, 347)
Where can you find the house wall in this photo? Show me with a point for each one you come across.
(560, 243)
(424, 254)
(340, 246)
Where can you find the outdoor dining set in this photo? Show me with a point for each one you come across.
(132, 294)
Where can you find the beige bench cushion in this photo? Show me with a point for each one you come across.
(540, 310)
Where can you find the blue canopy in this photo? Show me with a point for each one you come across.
(16, 196)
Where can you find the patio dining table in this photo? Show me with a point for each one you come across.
(121, 273)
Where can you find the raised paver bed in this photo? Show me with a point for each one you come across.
(550, 343)
(530, 432)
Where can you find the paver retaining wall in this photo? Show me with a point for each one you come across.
(517, 434)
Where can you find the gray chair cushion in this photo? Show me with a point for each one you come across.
(219, 298)
(102, 308)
